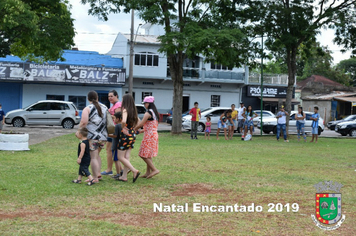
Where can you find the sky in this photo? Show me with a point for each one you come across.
(95, 35)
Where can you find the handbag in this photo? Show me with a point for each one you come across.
(110, 126)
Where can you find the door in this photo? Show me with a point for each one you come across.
(37, 114)
(103, 98)
(185, 106)
(57, 112)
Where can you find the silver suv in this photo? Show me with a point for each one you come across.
(48, 112)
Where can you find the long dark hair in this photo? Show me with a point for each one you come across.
(301, 110)
(227, 111)
(93, 98)
(251, 112)
(128, 103)
(153, 107)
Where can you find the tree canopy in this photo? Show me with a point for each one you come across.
(349, 67)
(35, 30)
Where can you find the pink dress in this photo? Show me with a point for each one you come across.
(114, 107)
(149, 144)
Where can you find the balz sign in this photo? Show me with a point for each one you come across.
(273, 92)
(61, 73)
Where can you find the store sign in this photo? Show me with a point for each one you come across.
(272, 92)
(61, 73)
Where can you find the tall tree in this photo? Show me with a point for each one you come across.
(290, 23)
(191, 27)
(349, 67)
(35, 30)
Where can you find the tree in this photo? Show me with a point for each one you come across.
(191, 27)
(290, 23)
(35, 30)
(349, 67)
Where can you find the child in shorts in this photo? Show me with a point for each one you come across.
(315, 125)
(207, 127)
(115, 140)
(83, 156)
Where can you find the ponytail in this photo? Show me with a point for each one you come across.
(93, 98)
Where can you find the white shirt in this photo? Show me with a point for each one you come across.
(240, 112)
(282, 119)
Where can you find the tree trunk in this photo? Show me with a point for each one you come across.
(291, 62)
(176, 68)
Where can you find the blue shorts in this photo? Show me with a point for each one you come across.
(232, 124)
(315, 130)
(114, 155)
(248, 124)
(221, 126)
(109, 140)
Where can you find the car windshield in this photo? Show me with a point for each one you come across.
(350, 118)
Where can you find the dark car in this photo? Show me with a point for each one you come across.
(346, 128)
(332, 124)
(169, 118)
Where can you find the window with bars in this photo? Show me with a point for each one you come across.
(215, 101)
(79, 101)
(146, 94)
(146, 59)
(215, 66)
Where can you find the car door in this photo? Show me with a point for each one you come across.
(215, 117)
(37, 114)
(140, 111)
(56, 113)
(292, 124)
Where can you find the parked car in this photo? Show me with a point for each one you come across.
(346, 128)
(332, 124)
(213, 112)
(47, 112)
(270, 124)
(141, 110)
(170, 118)
(265, 114)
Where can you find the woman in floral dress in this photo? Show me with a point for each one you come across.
(149, 145)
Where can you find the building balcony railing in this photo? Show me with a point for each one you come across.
(194, 73)
(255, 78)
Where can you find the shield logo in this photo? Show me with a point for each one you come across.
(328, 207)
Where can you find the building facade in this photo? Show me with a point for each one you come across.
(23, 83)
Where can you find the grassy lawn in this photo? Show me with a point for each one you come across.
(38, 198)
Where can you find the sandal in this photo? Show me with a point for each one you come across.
(122, 180)
(91, 182)
(77, 181)
(137, 175)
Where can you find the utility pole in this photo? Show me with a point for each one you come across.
(131, 53)
(261, 84)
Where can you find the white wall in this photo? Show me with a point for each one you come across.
(35, 92)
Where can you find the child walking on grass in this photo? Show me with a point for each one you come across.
(115, 141)
(208, 127)
(83, 156)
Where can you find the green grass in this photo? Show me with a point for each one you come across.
(38, 198)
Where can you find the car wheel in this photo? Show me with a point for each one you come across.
(267, 132)
(18, 122)
(201, 127)
(275, 130)
(68, 124)
(319, 131)
(353, 133)
(343, 134)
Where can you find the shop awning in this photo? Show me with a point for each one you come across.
(275, 100)
(346, 99)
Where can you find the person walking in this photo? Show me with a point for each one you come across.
(94, 119)
(128, 136)
(196, 115)
(149, 144)
(116, 107)
(281, 123)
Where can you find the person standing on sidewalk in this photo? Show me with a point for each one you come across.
(281, 124)
(196, 115)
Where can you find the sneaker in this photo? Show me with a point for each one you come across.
(195, 137)
(286, 141)
(191, 137)
(242, 137)
(116, 176)
(106, 173)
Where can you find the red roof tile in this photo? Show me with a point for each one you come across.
(318, 79)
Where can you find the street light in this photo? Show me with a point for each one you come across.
(132, 41)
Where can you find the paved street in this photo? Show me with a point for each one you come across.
(39, 134)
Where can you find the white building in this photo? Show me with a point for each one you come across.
(207, 83)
